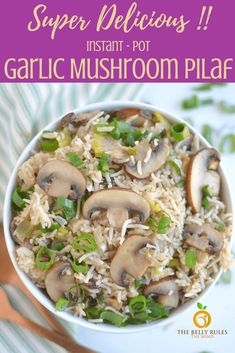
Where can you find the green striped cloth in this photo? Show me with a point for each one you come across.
(24, 110)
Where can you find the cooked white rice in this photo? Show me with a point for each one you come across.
(159, 188)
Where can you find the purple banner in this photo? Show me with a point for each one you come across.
(104, 41)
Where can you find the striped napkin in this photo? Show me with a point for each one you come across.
(24, 110)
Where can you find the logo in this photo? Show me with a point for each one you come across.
(201, 321)
(202, 318)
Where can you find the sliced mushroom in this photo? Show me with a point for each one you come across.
(167, 291)
(134, 116)
(201, 171)
(184, 144)
(118, 203)
(156, 160)
(76, 119)
(118, 153)
(112, 301)
(204, 238)
(129, 260)
(60, 178)
(59, 279)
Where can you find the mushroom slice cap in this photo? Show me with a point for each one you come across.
(201, 172)
(134, 116)
(204, 238)
(117, 201)
(77, 119)
(156, 161)
(213, 180)
(58, 281)
(60, 178)
(129, 260)
(167, 291)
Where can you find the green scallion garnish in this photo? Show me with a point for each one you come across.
(84, 242)
(179, 132)
(44, 258)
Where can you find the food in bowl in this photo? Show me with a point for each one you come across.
(118, 216)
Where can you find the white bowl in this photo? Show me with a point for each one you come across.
(44, 299)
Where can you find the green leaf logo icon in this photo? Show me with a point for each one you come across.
(200, 306)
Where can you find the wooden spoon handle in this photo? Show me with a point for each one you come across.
(43, 311)
(53, 336)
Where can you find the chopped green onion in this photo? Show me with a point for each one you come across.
(227, 108)
(51, 228)
(152, 223)
(85, 242)
(137, 304)
(48, 145)
(179, 132)
(44, 258)
(68, 206)
(25, 229)
(103, 164)
(152, 311)
(209, 86)
(206, 101)
(226, 277)
(92, 312)
(207, 132)
(140, 282)
(194, 102)
(80, 268)
(75, 159)
(175, 166)
(228, 141)
(191, 103)
(156, 311)
(59, 245)
(138, 318)
(221, 226)
(205, 196)
(112, 318)
(163, 225)
(120, 128)
(18, 197)
(61, 304)
(190, 258)
(128, 140)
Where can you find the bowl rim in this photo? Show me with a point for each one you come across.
(36, 292)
